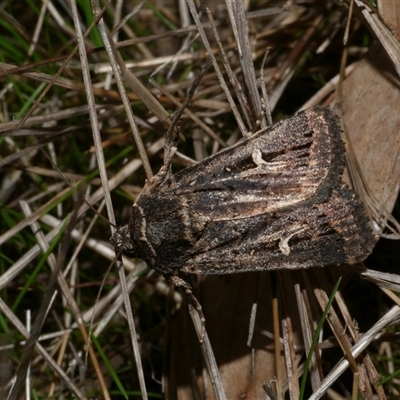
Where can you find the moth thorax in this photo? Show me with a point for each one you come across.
(135, 223)
(160, 225)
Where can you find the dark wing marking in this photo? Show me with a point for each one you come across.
(313, 235)
(287, 163)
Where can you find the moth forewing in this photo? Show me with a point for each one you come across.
(274, 200)
(283, 164)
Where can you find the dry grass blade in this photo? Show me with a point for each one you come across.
(6, 311)
(26, 358)
(219, 74)
(385, 37)
(389, 318)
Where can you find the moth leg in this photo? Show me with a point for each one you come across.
(172, 135)
(180, 283)
(170, 148)
(171, 141)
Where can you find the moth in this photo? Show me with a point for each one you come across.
(275, 200)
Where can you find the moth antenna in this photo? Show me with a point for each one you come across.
(180, 283)
(69, 184)
(89, 342)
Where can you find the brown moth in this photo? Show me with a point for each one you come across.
(275, 200)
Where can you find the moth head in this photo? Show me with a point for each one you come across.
(122, 241)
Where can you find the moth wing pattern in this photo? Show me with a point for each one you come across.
(274, 200)
(302, 237)
(293, 159)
